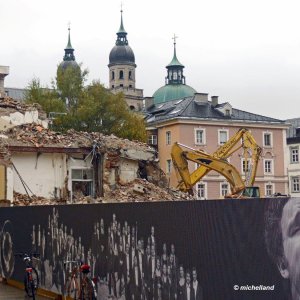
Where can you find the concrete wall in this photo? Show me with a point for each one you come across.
(18, 118)
(185, 134)
(42, 173)
(128, 170)
(10, 183)
(4, 71)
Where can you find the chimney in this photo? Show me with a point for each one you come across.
(149, 101)
(201, 97)
(214, 100)
(4, 71)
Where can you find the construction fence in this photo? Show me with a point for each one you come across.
(216, 249)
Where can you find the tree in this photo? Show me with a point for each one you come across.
(70, 83)
(90, 108)
(100, 110)
(47, 98)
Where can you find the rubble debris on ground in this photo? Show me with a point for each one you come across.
(26, 200)
(139, 190)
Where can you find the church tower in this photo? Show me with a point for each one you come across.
(122, 70)
(69, 58)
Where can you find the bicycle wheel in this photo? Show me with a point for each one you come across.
(88, 290)
(31, 285)
(72, 288)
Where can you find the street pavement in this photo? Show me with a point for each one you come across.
(12, 293)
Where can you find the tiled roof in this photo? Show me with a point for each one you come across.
(187, 108)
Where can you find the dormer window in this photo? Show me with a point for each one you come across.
(227, 112)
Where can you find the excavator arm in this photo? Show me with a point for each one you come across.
(181, 158)
(242, 139)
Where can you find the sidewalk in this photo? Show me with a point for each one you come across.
(11, 293)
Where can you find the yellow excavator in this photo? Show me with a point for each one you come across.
(218, 162)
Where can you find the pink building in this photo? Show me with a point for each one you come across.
(205, 124)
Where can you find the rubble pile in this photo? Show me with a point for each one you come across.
(9, 105)
(34, 134)
(140, 190)
(25, 200)
(38, 136)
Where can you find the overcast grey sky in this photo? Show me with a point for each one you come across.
(245, 52)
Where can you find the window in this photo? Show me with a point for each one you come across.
(82, 182)
(121, 75)
(201, 191)
(227, 112)
(152, 139)
(269, 189)
(295, 184)
(224, 189)
(175, 76)
(199, 136)
(168, 137)
(223, 136)
(268, 166)
(121, 85)
(168, 168)
(112, 75)
(245, 165)
(112, 86)
(294, 154)
(130, 75)
(267, 139)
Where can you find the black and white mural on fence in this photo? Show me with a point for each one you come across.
(215, 250)
(6, 249)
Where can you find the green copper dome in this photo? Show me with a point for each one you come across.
(172, 92)
(175, 87)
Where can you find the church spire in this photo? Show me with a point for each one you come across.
(175, 61)
(69, 50)
(175, 69)
(69, 45)
(121, 34)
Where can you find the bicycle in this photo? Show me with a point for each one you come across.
(87, 285)
(31, 278)
(71, 288)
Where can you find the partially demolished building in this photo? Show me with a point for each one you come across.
(42, 165)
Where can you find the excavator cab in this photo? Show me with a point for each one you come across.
(251, 192)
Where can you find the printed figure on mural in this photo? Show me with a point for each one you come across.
(124, 264)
